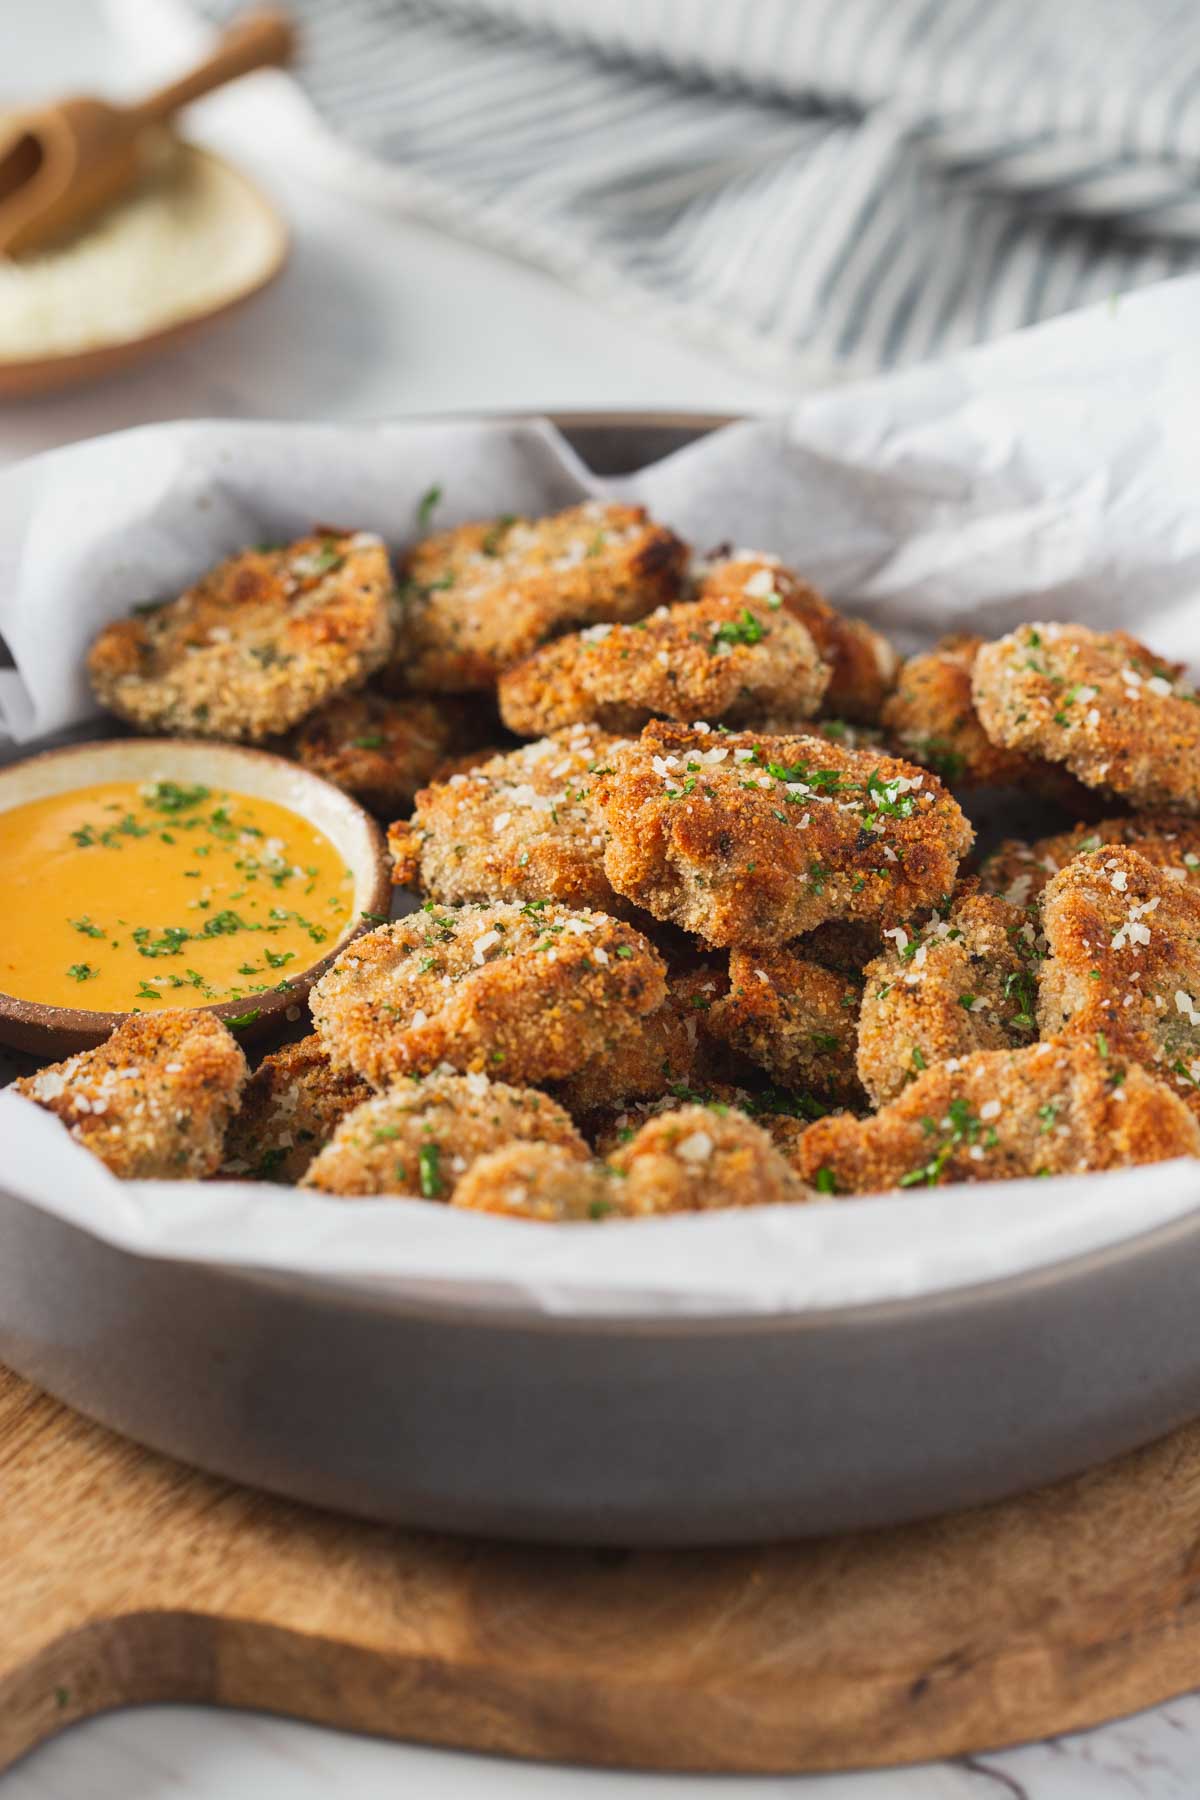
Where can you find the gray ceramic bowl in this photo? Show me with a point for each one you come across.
(677, 1432)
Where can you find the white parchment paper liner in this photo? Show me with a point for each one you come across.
(1053, 474)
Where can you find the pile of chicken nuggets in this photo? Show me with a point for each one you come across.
(700, 921)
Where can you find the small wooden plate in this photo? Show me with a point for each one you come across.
(241, 216)
(56, 1031)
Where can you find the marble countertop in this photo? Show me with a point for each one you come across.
(375, 317)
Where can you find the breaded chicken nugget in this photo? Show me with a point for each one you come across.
(793, 1018)
(784, 1117)
(1051, 1109)
(260, 642)
(1124, 964)
(862, 663)
(932, 719)
(421, 1137)
(539, 1181)
(653, 1054)
(693, 1159)
(1020, 871)
(153, 1101)
(1099, 702)
(753, 840)
(293, 1104)
(378, 749)
(483, 596)
(717, 658)
(528, 991)
(965, 981)
(698, 1159)
(518, 827)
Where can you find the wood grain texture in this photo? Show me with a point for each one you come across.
(128, 1578)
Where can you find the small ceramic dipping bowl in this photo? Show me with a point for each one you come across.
(56, 1031)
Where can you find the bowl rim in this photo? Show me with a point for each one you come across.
(76, 1022)
(25, 377)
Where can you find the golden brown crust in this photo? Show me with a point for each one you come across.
(1123, 970)
(542, 1182)
(1052, 1109)
(421, 1137)
(517, 827)
(260, 642)
(716, 658)
(932, 719)
(292, 1105)
(652, 1055)
(862, 664)
(378, 749)
(607, 1131)
(793, 1018)
(1020, 871)
(527, 992)
(153, 1101)
(1099, 702)
(749, 840)
(479, 598)
(690, 1159)
(697, 1159)
(964, 981)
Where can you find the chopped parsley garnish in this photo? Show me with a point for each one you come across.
(429, 502)
(373, 740)
(745, 629)
(494, 536)
(428, 1164)
(82, 971)
(171, 797)
(242, 1019)
(824, 1180)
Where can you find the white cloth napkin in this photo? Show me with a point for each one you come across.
(853, 183)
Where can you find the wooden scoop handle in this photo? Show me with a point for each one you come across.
(257, 40)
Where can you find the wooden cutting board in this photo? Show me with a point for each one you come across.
(128, 1578)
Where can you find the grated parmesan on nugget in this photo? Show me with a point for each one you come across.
(153, 1101)
(479, 598)
(260, 642)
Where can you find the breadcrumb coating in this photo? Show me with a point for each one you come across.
(292, 1105)
(784, 1117)
(542, 1182)
(793, 1018)
(378, 749)
(716, 658)
(964, 981)
(698, 1159)
(152, 1102)
(519, 826)
(1123, 969)
(1020, 871)
(483, 596)
(421, 1137)
(263, 640)
(753, 840)
(691, 1159)
(932, 719)
(530, 992)
(654, 1054)
(1052, 1109)
(1099, 702)
(861, 661)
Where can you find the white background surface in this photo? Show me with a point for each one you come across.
(376, 317)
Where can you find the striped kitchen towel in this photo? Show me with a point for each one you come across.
(814, 183)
